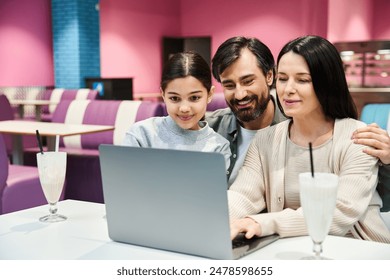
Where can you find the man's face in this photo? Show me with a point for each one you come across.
(246, 88)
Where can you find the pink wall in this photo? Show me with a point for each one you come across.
(131, 31)
(381, 22)
(26, 53)
(130, 39)
(273, 22)
(350, 20)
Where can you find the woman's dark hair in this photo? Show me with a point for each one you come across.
(230, 51)
(327, 74)
(183, 64)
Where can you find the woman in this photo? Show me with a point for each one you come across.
(186, 88)
(312, 91)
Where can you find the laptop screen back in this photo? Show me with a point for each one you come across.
(167, 199)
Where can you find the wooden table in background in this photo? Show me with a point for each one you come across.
(22, 103)
(49, 129)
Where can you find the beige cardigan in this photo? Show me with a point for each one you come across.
(259, 186)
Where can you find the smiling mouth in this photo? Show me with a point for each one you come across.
(243, 104)
(291, 102)
(185, 118)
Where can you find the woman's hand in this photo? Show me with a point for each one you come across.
(376, 137)
(246, 225)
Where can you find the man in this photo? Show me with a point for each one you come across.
(245, 67)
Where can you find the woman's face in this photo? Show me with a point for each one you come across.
(186, 100)
(295, 89)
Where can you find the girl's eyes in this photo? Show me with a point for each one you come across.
(191, 98)
(195, 98)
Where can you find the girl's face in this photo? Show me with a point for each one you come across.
(295, 88)
(186, 100)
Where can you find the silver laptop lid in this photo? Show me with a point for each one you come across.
(167, 199)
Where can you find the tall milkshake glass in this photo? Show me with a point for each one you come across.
(318, 200)
(52, 169)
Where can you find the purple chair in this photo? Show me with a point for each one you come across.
(7, 113)
(83, 174)
(19, 185)
(59, 94)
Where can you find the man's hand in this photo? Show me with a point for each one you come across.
(376, 137)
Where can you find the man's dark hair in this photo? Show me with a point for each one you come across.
(230, 51)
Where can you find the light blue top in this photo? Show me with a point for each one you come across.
(164, 133)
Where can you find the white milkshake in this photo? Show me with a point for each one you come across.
(52, 170)
(318, 200)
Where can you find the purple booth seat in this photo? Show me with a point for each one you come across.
(59, 94)
(7, 113)
(19, 185)
(29, 110)
(83, 175)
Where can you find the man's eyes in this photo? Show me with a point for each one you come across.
(229, 86)
(247, 82)
(243, 83)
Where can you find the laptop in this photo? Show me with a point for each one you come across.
(171, 200)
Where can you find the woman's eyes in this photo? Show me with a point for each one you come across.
(282, 79)
(302, 81)
(174, 98)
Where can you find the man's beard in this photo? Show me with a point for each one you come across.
(249, 114)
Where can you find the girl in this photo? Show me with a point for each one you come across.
(186, 88)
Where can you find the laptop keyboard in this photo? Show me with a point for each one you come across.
(241, 240)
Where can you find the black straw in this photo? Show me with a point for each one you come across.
(311, 160)
(39, 141)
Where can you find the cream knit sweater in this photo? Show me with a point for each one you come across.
(260, 186)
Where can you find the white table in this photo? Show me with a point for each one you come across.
(49, 129)
(84, 236)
